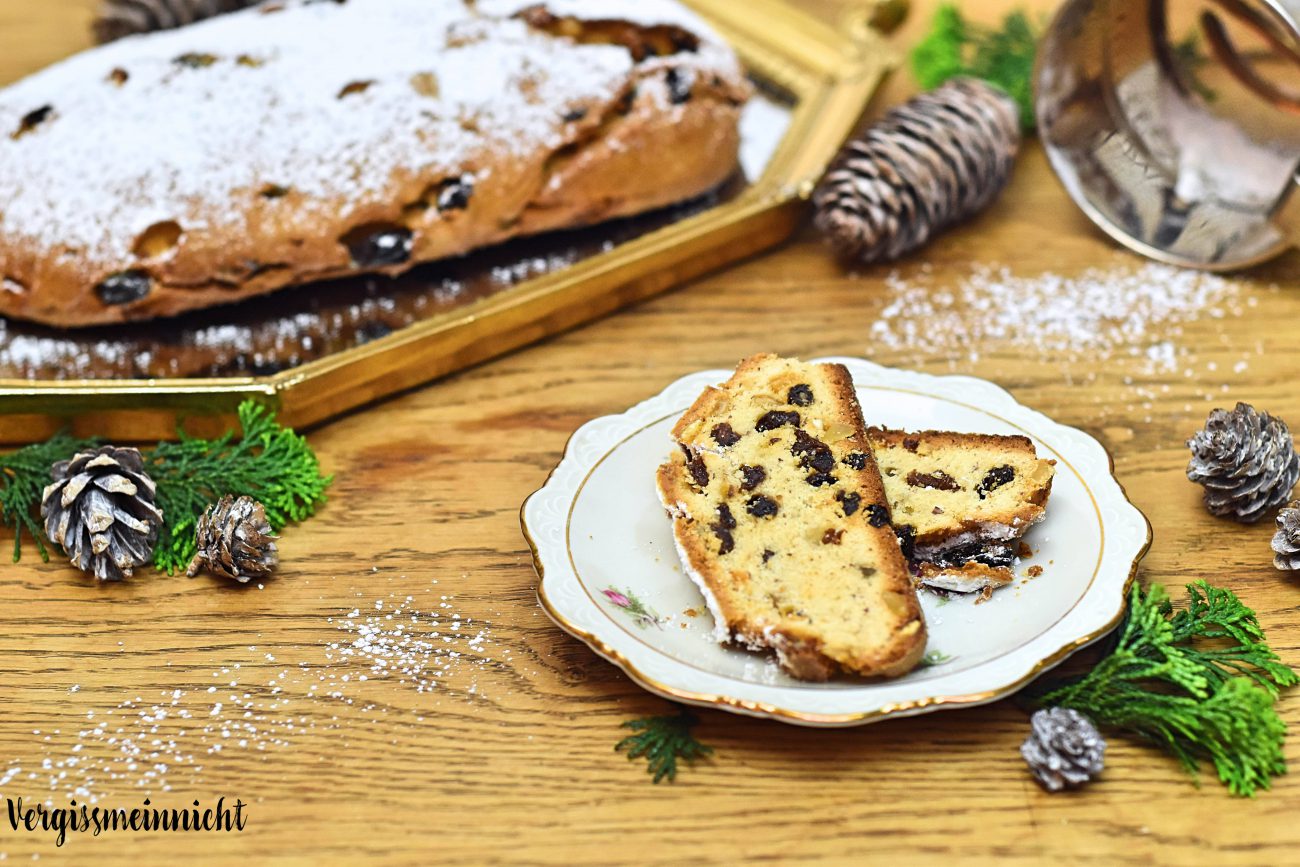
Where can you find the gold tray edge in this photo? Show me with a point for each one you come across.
(832, 75)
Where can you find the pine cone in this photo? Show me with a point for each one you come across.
(1247, 462)
(1286, 541)
(100, 508)
(118, 18)
(939, 158)
(235, 541)
(1063, 749)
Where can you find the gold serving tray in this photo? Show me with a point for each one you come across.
(824, 75)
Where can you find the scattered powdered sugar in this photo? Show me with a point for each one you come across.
(271, 699)
(149, 745)
(328, 100)
(1135, 311)
(422, 649)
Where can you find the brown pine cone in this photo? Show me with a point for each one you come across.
(1247, 462)
(940, 158)
(118, 18)
(100, 508)
(1286, 541)
(235, 541)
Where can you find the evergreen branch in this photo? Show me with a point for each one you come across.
(940, 55)
(1003, 56)
(663, 740)
(1198, 703)
(1189, 58)
(268, 462)
(1217, 615)
(23, 476)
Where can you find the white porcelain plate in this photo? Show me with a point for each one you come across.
(609, 574)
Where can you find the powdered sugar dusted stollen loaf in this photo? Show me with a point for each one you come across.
(962, 501)
(779, 516)
(297, 141)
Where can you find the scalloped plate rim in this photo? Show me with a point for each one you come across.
(680, 682)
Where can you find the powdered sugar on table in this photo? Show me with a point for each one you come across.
(264, 699)
(1136, 311)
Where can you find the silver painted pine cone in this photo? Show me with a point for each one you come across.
(118, 18)
(1063, 748)
(940, 158)
(235, 541)
(1247, 462)
(101, 509)
(1286, 541)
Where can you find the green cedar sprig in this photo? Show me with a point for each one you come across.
(23, 476)
(1199, 682)
(1191, 59)
(267, 461)
(663, 740)
(1003, 56)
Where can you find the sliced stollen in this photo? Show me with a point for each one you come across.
(780, 517)
(961, 502)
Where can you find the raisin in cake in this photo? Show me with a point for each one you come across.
(779, 516)
(298, 141)
(960, 502)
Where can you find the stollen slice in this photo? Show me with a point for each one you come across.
(780, 517)
(962, 502)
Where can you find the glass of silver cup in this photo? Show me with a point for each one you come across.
(1175, 124)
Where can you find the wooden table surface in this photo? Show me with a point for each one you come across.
(189, 690)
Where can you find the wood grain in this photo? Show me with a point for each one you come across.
(510, 759)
